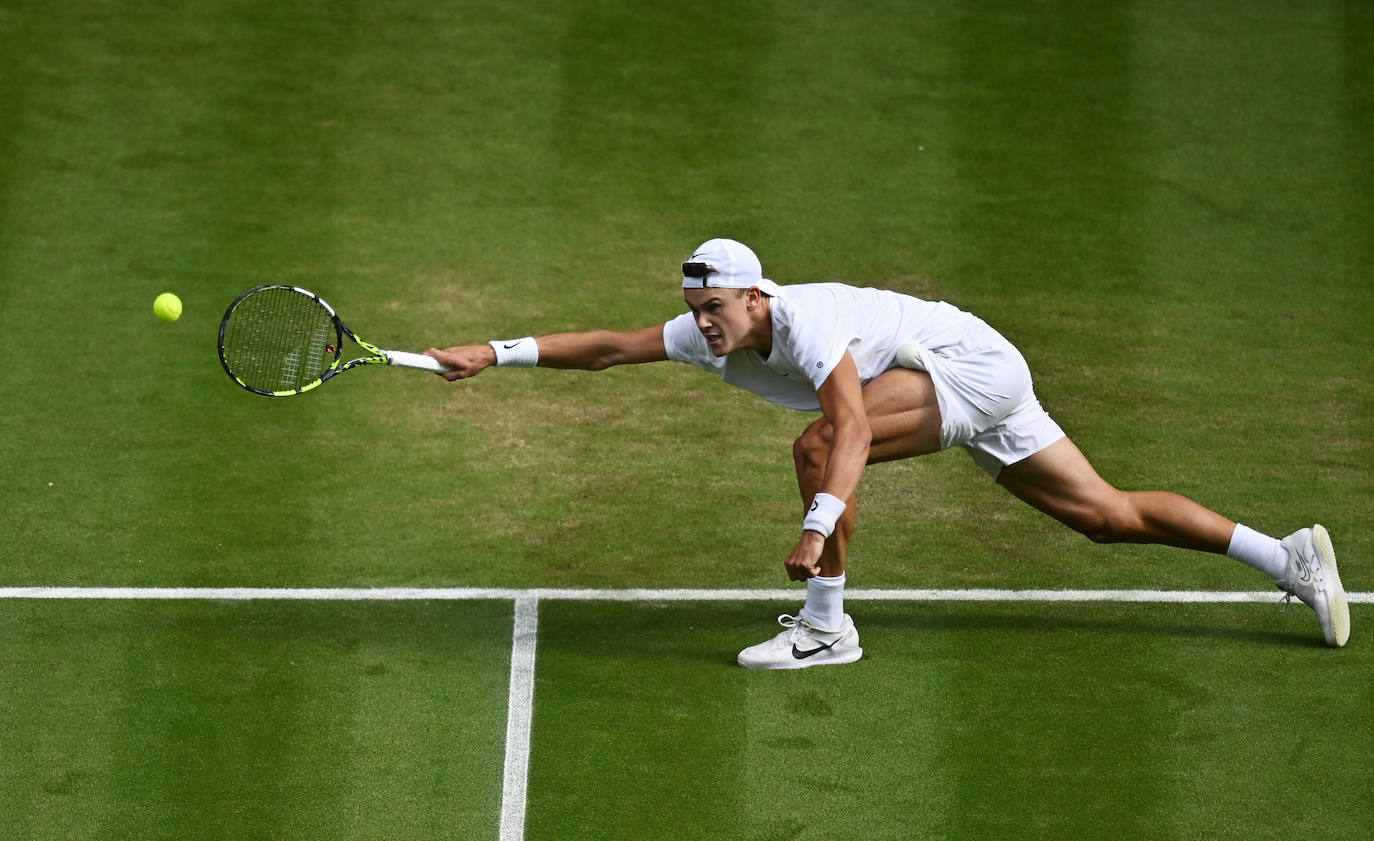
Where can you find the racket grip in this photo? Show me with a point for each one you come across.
(415, 360)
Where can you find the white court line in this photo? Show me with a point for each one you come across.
(520, 710)
(519, 719)
(637, 595)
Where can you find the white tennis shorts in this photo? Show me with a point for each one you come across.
(987, 403)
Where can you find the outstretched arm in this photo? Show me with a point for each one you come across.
(590, 351)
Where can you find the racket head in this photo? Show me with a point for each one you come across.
(279, 340)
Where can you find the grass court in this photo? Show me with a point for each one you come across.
(1165, 205)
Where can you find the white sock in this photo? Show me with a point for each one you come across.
(824, 608)
(1260, 551)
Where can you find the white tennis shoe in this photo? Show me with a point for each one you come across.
(801, 646)
(1312, 577)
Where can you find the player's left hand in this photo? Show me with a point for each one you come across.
(805, 560)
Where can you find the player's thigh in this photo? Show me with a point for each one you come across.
(1060, 481)
(903, 415)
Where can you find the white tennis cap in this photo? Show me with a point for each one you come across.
(726, 264)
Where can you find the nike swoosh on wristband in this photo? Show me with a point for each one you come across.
(798, 654)
(510, 345)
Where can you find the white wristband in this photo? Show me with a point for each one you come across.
(516, 353)
(825, 510)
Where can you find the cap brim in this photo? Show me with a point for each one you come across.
(770, 288)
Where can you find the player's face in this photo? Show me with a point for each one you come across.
(722, 316)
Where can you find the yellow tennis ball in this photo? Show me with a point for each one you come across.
(167, 307)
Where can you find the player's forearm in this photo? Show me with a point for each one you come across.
(590, 351)
(844, 466)
(848, 456)
(598, 349)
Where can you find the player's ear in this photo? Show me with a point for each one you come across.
(752, 297)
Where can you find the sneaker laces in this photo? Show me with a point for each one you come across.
(795, 625)
(1298, 570)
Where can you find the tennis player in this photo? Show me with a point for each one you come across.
(893, 377)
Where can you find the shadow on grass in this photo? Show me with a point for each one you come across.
(1106, 620)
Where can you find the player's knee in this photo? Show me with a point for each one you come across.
(1109, 525)
(811, 448)
(1110, 521)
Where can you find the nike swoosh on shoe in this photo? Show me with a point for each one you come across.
(798, 654)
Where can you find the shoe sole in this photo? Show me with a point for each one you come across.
(1339, 632)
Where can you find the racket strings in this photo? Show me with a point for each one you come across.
(278, 339)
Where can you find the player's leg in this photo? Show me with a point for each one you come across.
(1061, 482)
(904, 418)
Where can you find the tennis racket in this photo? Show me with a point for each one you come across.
(280, 340)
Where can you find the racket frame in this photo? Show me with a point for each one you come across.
(375, 355)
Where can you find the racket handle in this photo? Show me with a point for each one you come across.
(415, 360)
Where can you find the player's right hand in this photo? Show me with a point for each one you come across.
(466, 361)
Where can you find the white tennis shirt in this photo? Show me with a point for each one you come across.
(813, 325)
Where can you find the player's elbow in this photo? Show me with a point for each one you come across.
(600, 362)
(608, 354)
(854, 432)
(592, 351)
(628, 348)
(864, 440)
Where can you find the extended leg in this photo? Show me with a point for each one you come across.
(1059, 481)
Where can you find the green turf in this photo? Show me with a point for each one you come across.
(963, 721)
(1166, 205)
(1185, 266)
(256, 720)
